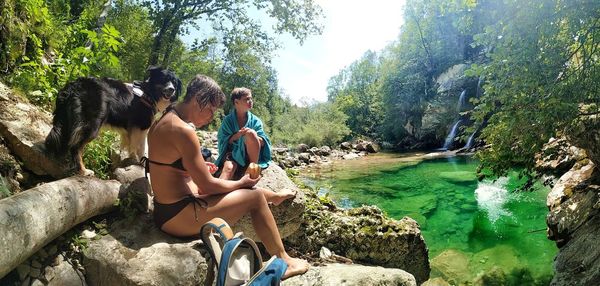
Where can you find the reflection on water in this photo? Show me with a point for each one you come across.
(484, 223)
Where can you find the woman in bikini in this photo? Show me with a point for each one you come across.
(186, 195)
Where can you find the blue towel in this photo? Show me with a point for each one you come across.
(229, 126)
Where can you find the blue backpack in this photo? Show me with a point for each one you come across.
(237, 259)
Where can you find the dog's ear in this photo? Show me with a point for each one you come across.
(154, 71)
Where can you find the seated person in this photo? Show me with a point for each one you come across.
(242, 139)
(186, 195)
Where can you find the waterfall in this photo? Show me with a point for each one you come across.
(470, 140)
(479, 90)
(462, 100)
(450, 138)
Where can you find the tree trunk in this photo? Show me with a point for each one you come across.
(33, 218)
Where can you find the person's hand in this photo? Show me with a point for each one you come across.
(248, 182)
(212, 168)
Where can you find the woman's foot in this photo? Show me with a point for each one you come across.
(296, 266)
(282, 195)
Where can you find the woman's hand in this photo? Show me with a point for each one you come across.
(248, 182)
(212, 168)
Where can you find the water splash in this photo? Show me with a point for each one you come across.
(491, 197)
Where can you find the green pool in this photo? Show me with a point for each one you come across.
(472, 228)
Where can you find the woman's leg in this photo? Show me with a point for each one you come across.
(231, 207)
(252, 147)
(277, 198)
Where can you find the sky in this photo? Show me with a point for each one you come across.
(351, 28)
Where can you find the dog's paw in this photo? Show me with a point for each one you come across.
(87, 173)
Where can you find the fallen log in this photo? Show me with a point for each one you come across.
(33, 218)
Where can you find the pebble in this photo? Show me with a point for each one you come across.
(37, 282)
(25, 281)
(49, 273)
(88, 234)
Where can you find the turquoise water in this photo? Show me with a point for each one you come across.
(469, 226)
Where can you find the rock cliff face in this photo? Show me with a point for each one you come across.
(574, 213)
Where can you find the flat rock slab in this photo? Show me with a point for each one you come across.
(352, 275)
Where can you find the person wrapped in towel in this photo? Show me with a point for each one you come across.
(242, 139)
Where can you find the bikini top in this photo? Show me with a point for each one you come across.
(177, 164)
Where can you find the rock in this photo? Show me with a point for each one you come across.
(350, 156)
(558, 156)
(564, 219)
(302, 148)
(577, 261)
(325, 252)
(88, 234)
(351, 275)
(451, 265)
(365, 235)
(436, 282)
(325, 151)
(24, 128)
(583, 132)
(345, 146)
(66, 275)
(288, 215)
(563, 189)
(304, 157)
(372, 147)
(135, 186)
(135, 252)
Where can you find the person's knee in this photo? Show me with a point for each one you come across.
(252, 138)
(228, 167)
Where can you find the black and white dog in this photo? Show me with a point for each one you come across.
(86, 104)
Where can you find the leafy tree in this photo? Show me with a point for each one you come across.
(172, 18)
(356, 92)
(543, 63)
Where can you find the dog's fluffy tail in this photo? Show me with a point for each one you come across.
(54, 141)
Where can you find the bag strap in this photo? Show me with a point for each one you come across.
(208, 233)
(228, 249)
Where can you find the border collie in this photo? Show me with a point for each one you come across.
(85, 105)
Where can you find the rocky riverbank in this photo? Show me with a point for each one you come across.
(574, 202)
(125, 248)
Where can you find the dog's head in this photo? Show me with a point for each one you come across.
(162, 86)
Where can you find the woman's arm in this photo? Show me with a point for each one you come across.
(190, 149)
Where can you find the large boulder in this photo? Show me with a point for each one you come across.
(24, 128)
(574, 223)
(135, 252)
(352, 275)
(288, 215)
(365, 235)
(558, 156)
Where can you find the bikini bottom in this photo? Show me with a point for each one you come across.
(165, 212)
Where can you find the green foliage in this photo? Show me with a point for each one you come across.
(98, 154)
(356, 92)
(316, 125)
(4, 189)
(543, 64)
(53, 53)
